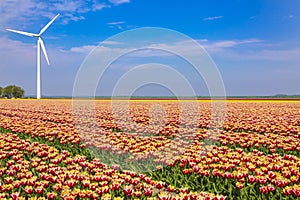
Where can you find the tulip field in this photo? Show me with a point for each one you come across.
(149, 150)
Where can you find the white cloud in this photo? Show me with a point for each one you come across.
(225, 49)
(69, 6)
(116, 23)
(212, 18)
(231, 49)
(25, 12)
(287, 55)
(83, 49)
(220, 45)
(100, 6)
(187, 47)
(16, 54)
(110, 42)
(70, 17)
(118, 2)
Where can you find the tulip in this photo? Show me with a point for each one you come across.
(160, 185)
(206, 173)
(39, 190)
(286, 174)
(294, 179)
(163, 196)
(271, 188)
(262, 180)
(271, 174)
(85, 183)
(71, 183)
(279, 183)
(171, 188)
(15, 196)
(51, 195)
(228, 175)
(148, 191)
(137, 194)
(288, 191)
(142, 176)
(127, 190)
(28, 189)
(57, 187)
(93, 186)
(263, 189)
(148, 179)
(16, 184)
(251, 179)
(8, 180)
(296, 192)
(115, 185)
(239, 185)
(183, 190)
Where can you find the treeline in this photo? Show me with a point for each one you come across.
(12, 91)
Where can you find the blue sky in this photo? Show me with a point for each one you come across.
(255, 44)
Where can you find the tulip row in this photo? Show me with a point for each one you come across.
(263, 117)
(281, 117)
(268, 143)
(34, 170)
(235, 173)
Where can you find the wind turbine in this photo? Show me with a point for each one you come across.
(40, 44)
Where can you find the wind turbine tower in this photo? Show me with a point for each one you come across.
(40, 44)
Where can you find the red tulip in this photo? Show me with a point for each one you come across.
(228, 175)
(148, 191)
(15, 195)
(16, 184)
(39, 190)
(279, 183)
(296, 192)
(251, 179)
(171, 188)
(127, 190)
(51, 195)
(115, 186)
(288, 191)
(28, 190)
(137, 194)
(105, 189)
(239, 185)
(263, 189)
(271, 188)
(8, 180)
(160, 185)
(184, 190)
(71, 183)
(57, 187)
(271, 174)
(142, 176)
(148, 179)
(85, 183)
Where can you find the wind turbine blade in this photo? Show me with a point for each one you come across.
(49, 23)
(23, 33)
(44, 49)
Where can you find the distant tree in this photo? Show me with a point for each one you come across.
(18, 92)
(7, 91)
(1, 89)
(13, 91)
